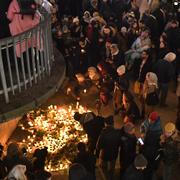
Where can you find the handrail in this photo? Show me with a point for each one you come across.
(17, 73)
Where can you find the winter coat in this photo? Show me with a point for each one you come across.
(164, 71)
(123, 82)
(87, 160)
(92, 124)
(108, 143)
(19, 25)
(132, 111)
(128, 149)
(118, 60)
(147, 67)
(153, 132)
(170, 152)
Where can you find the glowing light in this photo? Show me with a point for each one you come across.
(56, 129)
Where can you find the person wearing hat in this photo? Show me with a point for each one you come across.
(170, 151)
(165, 72)
(121, 85)
(137, 169)
(128, 142)
(149, 93)
(151, 131)
(92, 125)
(117, 57)
(107, 148)
(94, 75)
(130, 107)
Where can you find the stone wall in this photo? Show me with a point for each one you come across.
(7, 128)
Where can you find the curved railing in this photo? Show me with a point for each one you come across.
(19, 73)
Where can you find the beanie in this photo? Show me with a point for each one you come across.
(170, 57)
(169, 128)
(140, 161)
(153, 116)
(121, 70)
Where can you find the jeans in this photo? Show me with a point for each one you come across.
(163, 91)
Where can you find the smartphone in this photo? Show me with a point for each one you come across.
(141, 141)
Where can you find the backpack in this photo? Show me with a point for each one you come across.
(27, 7)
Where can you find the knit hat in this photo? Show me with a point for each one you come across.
(169, 128)
(18, 172)
(140, 161)
(80, 77)
(153, 116)
(128, 127)
(76, 19)
(152, 79)
(93, 73)
(121, 70)
(170, 57)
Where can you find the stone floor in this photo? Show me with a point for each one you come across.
(88, 99)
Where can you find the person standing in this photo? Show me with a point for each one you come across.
(108, 147)
(128, 142)
(92, 125)
(164, 71)
(150, 92)
(170, 152)
(137, 169)
(151, 131)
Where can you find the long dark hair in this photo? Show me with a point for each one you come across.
(27, 7)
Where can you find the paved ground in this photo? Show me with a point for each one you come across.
(88, 99)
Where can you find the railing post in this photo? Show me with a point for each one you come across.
(3, 78)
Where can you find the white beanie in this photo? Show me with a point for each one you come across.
(121, 70)
(170, 57)
(152, 79)
(80, 77)
(18, 172)
(76, 19)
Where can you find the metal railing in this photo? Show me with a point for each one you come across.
(34, 64)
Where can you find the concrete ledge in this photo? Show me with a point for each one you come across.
(50, 85)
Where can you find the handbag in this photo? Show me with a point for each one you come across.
(152, 99)
(137, 87)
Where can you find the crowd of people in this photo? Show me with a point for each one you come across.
(115, 45)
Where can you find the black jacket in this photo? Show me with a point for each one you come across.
(133, 111)
(118, 60)
(123, 82)
(128, 149)
(147, 67)
(87, 160)
(108, 143)
(164, 71)
(92, 125)
(170, 152)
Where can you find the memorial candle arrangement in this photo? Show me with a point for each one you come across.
(56, 129)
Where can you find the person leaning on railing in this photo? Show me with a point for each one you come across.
(21, 20)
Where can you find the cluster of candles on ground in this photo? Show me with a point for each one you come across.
(56, 129)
